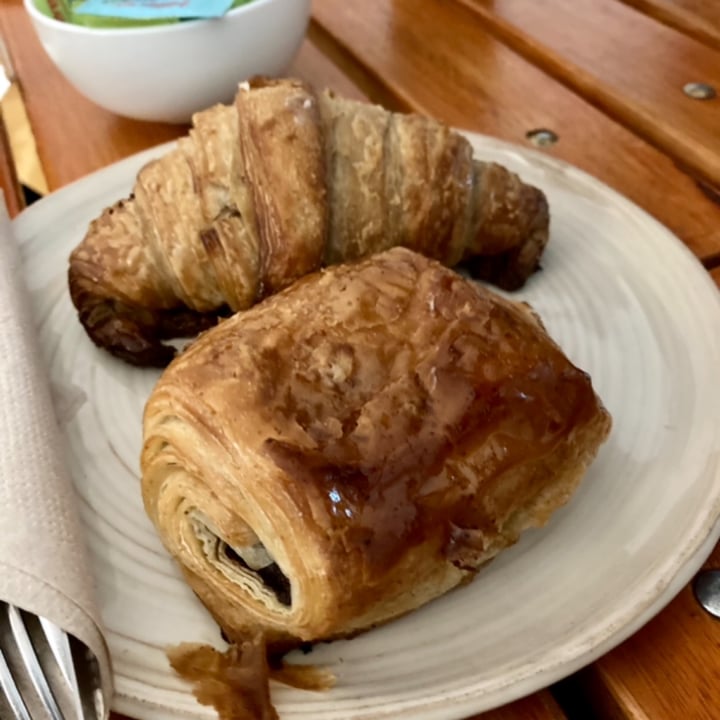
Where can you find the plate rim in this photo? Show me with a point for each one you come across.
(28, 222)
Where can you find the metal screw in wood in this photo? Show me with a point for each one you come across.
(699, 91)
(542, 137)
(707, 591)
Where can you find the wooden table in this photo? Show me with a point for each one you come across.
(607, 77)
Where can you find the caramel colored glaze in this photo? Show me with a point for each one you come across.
(384, 428)
(235, 682)
(489, 379)
(303, 677)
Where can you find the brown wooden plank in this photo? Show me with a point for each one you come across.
(700, 19)
(443, 63)
(9, 184)
(312, 65)
(670, 669)
(625, 63)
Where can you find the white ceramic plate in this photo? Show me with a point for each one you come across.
(626, 301)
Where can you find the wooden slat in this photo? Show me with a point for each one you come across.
(8, 179)
(625, 63)
(668, 670)
(441, 62)
(311, 65)
(700, 19)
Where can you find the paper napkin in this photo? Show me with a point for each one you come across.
(44, 566)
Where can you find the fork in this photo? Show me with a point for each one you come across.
(44, 672)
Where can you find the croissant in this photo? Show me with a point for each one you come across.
(277, 185)
(359, 444)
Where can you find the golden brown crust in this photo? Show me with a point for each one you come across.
(508, 229)
(282, 159)
(271, 188)
(376, 432)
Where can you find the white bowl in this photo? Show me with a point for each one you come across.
(168, 72)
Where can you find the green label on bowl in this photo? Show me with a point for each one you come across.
(154, 9)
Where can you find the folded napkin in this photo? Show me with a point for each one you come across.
(44, 567)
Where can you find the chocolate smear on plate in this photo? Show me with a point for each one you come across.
(236, 682)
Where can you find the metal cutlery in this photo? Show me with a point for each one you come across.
(44, 672)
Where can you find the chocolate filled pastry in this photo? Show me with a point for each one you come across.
(359, 444)
(277, 185)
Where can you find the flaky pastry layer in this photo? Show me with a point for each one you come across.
(276, 185)
(360, 443)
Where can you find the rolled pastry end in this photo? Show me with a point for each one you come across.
(236, 572)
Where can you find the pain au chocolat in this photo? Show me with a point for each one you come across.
(360, 443)
(278, 184)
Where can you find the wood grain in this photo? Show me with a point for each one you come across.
(668, 670)
(443, 63)
(625, 63)
(312, 65)
(700, 19)
(9, 184)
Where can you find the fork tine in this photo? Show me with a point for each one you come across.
(7, 683)
(60, 647)
(29, 656)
